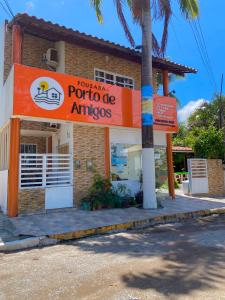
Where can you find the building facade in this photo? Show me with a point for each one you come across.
(70, 107)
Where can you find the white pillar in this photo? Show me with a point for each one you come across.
(148, 170)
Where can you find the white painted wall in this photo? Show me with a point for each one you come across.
(6, 99)
(2, 53)
(133, 136)
(4, 190)
(160, 138)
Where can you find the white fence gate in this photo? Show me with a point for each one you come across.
(198, 176)
(53, 172)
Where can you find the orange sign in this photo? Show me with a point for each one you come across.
(165, 113)
(45, 94)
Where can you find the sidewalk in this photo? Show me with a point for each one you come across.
(72, 223)
(7, 229)
(72, 220)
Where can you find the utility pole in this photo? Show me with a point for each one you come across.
(221, 116)
(221, 113)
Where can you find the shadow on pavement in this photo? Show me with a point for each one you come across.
(185, 265)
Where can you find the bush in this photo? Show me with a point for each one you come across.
(103, 195)
(139, 200)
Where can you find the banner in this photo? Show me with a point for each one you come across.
(44, 94)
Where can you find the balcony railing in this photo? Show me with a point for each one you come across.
(45, 170)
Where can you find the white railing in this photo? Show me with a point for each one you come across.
(45, 170)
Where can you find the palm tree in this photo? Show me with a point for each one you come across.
(143, 11)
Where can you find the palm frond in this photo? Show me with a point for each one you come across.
(155, 46)
(97, 6)
(189, 8)
(136, 9)
(119, 8)
(166, 13)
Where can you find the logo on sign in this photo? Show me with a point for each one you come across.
(47, 93)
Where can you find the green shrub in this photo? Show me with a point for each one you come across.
(102, 195)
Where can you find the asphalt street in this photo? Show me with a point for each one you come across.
(178, 261)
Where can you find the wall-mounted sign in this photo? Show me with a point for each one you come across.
(44, 94)
(165, 113)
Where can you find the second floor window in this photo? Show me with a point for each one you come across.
(114, 79)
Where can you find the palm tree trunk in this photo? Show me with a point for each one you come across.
(148, 161)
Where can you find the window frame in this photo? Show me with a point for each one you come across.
(114, 78)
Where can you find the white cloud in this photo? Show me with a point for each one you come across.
(29, 6)
(189, 108)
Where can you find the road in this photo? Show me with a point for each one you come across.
(179, 261)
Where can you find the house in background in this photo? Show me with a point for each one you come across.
(85, 116)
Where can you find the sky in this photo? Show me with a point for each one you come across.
(182, 47)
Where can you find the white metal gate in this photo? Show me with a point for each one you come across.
(53, 172)
(198, 176)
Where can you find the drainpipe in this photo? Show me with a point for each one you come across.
(169, 142)
(13, 177)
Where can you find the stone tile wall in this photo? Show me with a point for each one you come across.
(89, 144)
(31, 201)
(215, 177)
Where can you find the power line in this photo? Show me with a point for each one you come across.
(9, 8)
(202, 54)
(5, 10)
(202, 48)
(199, 31)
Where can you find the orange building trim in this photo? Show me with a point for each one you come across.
(13, 183)
(107, 153)
(169, 142)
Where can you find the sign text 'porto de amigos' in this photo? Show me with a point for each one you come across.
(45, 94)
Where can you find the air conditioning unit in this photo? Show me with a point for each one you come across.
(54, 125)
(51, 57)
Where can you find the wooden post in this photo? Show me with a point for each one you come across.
(13, 178)
(16, 44)
(169, 142)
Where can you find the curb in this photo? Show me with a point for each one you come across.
(138, 224)
(27, 244)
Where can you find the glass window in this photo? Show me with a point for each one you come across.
(28, 148)
(111, 78)
(161, 175)
(125, 162)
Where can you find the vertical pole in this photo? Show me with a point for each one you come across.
(13, 178)
(148, 158)
(169, 142)
(13, 181)
(16, 44)
(107, 153)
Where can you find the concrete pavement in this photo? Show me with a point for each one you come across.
(41, 229)
(177, 261)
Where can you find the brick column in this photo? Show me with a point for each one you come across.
(17, 44)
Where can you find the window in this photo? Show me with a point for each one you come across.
(54, 96)
(125, 162)
(161, 173)
(28, 148)
(114, 79)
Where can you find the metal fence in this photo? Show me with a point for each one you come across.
(45, 170)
